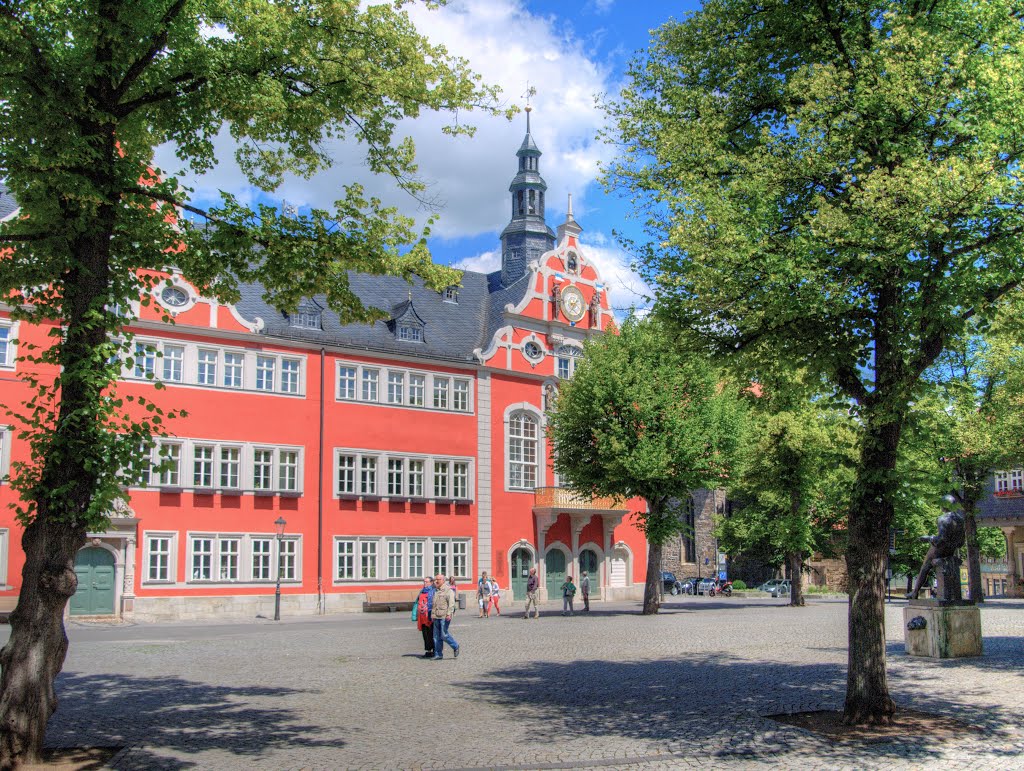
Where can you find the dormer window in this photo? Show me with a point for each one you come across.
(410, 333)
(451, 294)
(309, 315)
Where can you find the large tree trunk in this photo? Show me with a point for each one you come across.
(796, 567)
(652, 587)
(977, 594)
(35, 652)
(867, 690)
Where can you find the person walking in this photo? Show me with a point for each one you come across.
(495, 596)
(568, 593)
(483, 595)
(441, 613)
(421, 615)
(585, 591)
(531, 594)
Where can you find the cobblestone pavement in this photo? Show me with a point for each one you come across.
(610, 689)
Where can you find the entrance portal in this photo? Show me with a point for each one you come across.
(588, 562)
(554, 566)
(95, 594)
(522, 561)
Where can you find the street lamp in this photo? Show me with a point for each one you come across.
(279, 523)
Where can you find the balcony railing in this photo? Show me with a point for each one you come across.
(563, 498)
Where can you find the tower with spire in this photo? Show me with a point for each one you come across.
(527, 236)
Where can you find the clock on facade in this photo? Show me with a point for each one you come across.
(174, 297)
(573, 305)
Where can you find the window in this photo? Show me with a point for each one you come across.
(202, 559)
(395, 549)
(158, 565)
(440, 479)
(460, 558)
(290, 376)
(170, 462)
(417, 386)
(396, 387)
(368, 559)
(288, 471)
(228, 558)
(6, 347)
(288, 559)
(306, 318)
(233, 370)
(533, 351)
(261, 552)
(410, 334)
(202, 466)
(207, 374)
(174, 363)
(440, 393)
(370, 385)
(346, 560)
(567, 356)
(347, 474)
(1008, 482)
(522, 451)
(265, 366)
(689, 532)
(460, 481)
(440, 558)
(346, 382)
(368, 475)
(415, 559)
(145, 360)
(262, 469)
(229, 467)
(416, 478)
(460, 395)
(396, 476)
(451, 294)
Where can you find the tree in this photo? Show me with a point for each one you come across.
(793, 479)
(835, 185)
(89, 90)
(639, 419)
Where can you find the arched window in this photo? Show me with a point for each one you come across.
(690, 532)
(523, 438)
(519, 199)
(533, 202)
(567, 355)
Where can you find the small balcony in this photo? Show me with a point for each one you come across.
(568, 500)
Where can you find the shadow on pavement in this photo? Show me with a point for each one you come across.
(180, 715)
(660, 701)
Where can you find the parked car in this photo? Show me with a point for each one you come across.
(706, 585)
(781, 589)
(768, 586)
(668, 582)
(688, 585)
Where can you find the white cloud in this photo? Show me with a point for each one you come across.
(625, 288)
(485, 262)
(469, 176)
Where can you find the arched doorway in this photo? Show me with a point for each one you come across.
(95, 594)
(554, 568)
(590, 563)
(522, 561)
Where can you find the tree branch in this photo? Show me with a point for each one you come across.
(140, 64)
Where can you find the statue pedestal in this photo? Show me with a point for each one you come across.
(952, 629)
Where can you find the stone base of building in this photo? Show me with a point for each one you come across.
(949, 631)
(241, 607)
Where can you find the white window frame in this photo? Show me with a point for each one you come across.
(172, 556)
(8, 350)
(396, 387)
(6, 438)
(418, 475)
(398, 558)
(247, 560)
(518, 467)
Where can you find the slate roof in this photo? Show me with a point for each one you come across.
(7, 203)
(451, 331)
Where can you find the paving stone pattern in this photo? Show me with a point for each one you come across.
(610, 689)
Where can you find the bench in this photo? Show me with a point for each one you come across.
(7, 604)
(380, 600)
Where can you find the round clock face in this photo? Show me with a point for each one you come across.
(174, 297)
(572, 303)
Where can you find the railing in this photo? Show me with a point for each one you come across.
(563, 498)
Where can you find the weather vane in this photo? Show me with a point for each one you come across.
(530, 93)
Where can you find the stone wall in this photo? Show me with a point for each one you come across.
(706, 503)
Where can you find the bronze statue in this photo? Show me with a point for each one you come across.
(942, 555)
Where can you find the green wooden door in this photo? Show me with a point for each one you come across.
(522, 561)
(95, 594)
(554, 566)
(588, 562)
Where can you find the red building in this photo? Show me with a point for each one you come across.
(392, 451)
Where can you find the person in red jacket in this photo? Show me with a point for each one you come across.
(421, 615)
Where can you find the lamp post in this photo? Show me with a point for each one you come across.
(279, 523)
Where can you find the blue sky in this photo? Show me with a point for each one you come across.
(571, 51)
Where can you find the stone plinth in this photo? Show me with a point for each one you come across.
(952, 630)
